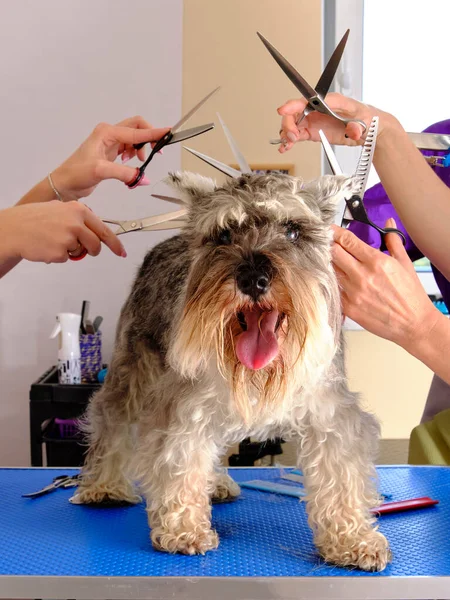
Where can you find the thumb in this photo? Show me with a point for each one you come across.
(110, 170)
(394, 244)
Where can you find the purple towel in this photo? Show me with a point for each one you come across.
(379, 209)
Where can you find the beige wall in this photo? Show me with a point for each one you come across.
(393, 384)
(220, 47)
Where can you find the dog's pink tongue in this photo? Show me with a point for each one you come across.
(258, 346)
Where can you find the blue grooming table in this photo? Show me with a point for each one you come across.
(52, 549)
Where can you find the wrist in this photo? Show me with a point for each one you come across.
(61, 184)
(388, 127)
(422, 341)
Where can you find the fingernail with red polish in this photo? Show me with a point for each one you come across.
(144, 181)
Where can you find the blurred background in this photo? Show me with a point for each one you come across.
(67, 66)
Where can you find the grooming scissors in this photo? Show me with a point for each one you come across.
(172, 137)
(171, 220)
(354, 206)
(315, 97)
(62, 481)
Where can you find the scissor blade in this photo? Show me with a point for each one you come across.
(188, 115)
(190, 133)
(430, 141)
(301, 84)
(326, 79)
(169, 199)
(366, 158)
(150, 222)
(331, 156)
(167, 225)
(240, 158)
(215, 163)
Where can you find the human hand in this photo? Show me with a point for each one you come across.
(94, 160)
(382, 293)
(48, 231)
(336, 131)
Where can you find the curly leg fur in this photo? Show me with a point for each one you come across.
(175, 469)
(224, 488)
(336, 457)
(108, 424)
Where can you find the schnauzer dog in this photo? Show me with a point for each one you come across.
(233, 330)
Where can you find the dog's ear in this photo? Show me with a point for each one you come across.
(192, 186)
(329, 191)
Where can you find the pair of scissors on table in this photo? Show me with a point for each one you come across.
(158, 222)
(62, 481)
(314, 96)
(354, 206)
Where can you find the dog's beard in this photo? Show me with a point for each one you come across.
(265, 350)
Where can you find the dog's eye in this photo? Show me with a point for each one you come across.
(224, 237)
(292, 232)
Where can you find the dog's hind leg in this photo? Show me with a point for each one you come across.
(111, 415)
(224, 487)
(336, 455)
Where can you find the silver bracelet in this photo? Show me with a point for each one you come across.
(58, 195)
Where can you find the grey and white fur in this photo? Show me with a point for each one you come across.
(233, 329)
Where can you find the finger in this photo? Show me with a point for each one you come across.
(130, 136)
(137, 122)
(396, 248)
(289, 125)
(344, 262)
(341, 276)
(104, 233)
(142, 154)
(354, 132)
(353, 245)
(109, 170)
(292, 106)
(89, 240)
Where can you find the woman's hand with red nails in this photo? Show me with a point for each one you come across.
(93, 161)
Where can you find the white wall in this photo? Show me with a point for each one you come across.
(64, 67)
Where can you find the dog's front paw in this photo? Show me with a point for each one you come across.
(187, 542)
(106, 494)
(225, 488)
(369, 553)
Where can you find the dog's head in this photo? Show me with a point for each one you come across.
(262, 300)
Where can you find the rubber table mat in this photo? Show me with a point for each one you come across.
(261, 534)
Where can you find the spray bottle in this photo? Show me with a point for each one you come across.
(67, 329)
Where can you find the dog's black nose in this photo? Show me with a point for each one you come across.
(254, 277)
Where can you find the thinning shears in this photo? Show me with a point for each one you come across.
(314, 96)
(354, 209)
(172, 137)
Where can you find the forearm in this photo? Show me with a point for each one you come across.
(8, 256)
(41, 192)
(433, 349)
(421, 199)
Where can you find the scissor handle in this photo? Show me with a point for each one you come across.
(383, 233)
(156, 148)
(319, 104)
(79, 256)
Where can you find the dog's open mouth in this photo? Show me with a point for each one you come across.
(257, 345)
